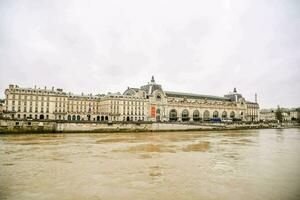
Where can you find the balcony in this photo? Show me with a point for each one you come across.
(114, 114)
(60, 112)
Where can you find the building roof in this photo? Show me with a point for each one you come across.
(295, 109)
(135, 89)
(39, 90)
(131, 91)
(150, 88)
(195, 96)
(250, 102)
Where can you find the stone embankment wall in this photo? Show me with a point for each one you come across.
(23, 126)
(7, 126)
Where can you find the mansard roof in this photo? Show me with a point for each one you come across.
(195, 96)
(135, 89)
(233, 96)
(131, 91)
(250, 102)
(150, 88)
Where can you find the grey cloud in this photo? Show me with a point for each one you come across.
(191, 46)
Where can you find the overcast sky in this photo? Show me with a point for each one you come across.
(205, 47)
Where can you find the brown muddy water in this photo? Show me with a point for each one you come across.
(247, 164)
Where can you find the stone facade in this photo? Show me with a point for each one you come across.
(124, 108)
(295, 114)
(175, 106)
(2, 107)
(36, 103)
(252, 111)
(147, 103)
(269, 115)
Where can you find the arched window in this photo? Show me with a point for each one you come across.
(102, 118)
(173, 115)
(78, 117)
(196, 115)
(215, 114)
(69, 117)
(224, 115)
(232, 114)
(185, 115)
(98, 118)
(106, 118)
(206, 115)
(73, 117)
(157, 111)
(158, 97)
(157, 114)
(41, 116)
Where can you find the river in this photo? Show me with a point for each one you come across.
(249, 164)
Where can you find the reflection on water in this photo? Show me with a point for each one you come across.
(149, 148)
(248, 164)
(200, 146)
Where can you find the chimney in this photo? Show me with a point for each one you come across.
(255, 98)
(152, 79)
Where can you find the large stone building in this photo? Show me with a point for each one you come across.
(176, 106)
(147, 103)
(124, 108)
(36, 103)
(269, 115)
(295, 114)
(2, 101)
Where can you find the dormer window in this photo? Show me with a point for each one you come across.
(158, 97)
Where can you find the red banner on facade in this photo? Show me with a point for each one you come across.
(153, 111)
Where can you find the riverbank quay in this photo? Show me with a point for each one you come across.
(54, 126)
